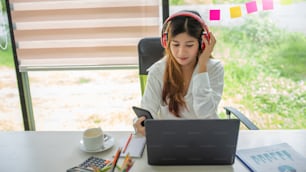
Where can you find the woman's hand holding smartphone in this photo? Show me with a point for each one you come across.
(142, 112)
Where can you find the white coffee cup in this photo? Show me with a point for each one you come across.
(93, 139)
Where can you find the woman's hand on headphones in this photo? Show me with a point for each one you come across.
(206, 53)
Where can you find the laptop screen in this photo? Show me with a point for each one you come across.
(191, 142)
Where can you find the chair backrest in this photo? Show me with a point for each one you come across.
(150, 50)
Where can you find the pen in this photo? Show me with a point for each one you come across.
(117, 155)
(127, 142)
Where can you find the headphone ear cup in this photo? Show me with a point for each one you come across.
(164, 40)
(207, 37)
(202, 45)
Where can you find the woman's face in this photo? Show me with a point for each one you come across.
(184, 49)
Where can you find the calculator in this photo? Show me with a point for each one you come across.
(88, 163)
(79, 169)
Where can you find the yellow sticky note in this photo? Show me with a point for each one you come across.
(286, 2)
(235, 11)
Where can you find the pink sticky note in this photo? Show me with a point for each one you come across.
(251, 7)
(214, 14)
(267, 4)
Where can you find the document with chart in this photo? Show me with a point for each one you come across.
(279, 158)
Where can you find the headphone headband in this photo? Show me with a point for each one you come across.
(186, 14)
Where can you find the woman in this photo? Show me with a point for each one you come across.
(187, 82)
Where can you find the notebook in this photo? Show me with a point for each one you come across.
(135, 147)
(192, 141)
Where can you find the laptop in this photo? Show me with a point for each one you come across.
(192, 141)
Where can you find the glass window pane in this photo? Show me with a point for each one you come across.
(10, 113)
(262, 45)
(75, 100)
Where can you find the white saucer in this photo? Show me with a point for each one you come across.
(109, 141)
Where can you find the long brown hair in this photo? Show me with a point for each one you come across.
(173, 90)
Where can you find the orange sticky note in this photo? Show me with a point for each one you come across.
(235, 11)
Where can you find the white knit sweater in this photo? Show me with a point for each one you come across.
(203, 96)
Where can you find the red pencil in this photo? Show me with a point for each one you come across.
(117, 155)
(127, 142)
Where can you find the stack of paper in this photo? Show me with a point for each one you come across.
(280, 157)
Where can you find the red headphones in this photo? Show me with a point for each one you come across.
(205, 32)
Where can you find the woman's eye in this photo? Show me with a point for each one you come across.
(175, 45)
(190, 45)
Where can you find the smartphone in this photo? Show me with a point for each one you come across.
(142, 112)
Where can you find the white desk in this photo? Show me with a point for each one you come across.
(32, 151)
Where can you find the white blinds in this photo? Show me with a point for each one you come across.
(81, 33)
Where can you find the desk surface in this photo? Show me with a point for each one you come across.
(52, 151)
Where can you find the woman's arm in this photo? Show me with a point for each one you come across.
(152, 96)
(207, 91)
